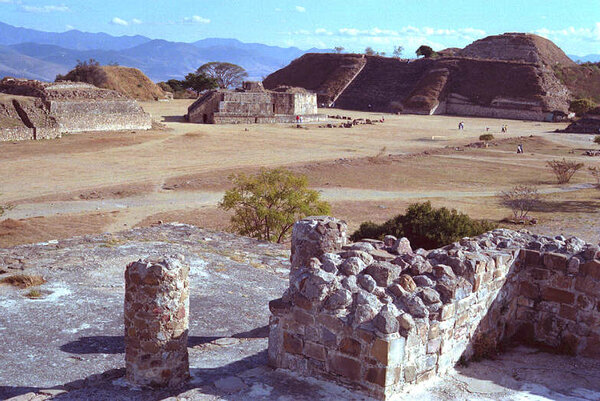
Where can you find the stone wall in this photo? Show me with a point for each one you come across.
(16, 134)
(254, 105)
(107, 115)
(381, 316)
(458, 105)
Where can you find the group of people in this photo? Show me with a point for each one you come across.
(519, 148)
(504, 128)
(461, 126)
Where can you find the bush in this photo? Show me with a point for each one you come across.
(486, 137)
(86, 71)
(521, 200)
(597, 139)
(265, 206)
(582, 106)
(563, 169)
(426, 227)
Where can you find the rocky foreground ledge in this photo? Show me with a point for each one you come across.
(68, 344)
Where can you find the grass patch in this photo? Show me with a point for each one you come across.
(23, 281)
(34, 294)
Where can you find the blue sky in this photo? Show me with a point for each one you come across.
(352, 24)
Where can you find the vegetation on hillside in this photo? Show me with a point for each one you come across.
(266, 205)
(88, 71)
(425, 226)
(582, 106)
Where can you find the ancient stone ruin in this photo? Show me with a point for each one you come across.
(156, 322)
(380, 316)
(502, 76)
(40, 110)
(253, 104)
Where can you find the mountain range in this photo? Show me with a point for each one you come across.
(28, 53)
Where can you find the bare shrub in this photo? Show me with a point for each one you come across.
(563, 169)
(379, 158)
(396, 106)
(23, 280)
(486, 137)
(521, 199)
(595, 172)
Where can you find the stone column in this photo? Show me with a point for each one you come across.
(156, 322)
(314, 236)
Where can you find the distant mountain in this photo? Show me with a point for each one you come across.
(74, 39)
(591, 58)
(41, 55)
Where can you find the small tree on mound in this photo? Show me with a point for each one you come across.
(265, 206)
(425, 51)
(369, 51)
(521, 199)
(426, 227)
(85, 71)
(563, 169)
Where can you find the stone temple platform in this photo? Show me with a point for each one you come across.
(69, 344)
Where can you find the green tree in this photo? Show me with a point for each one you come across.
(85, 71)
(398, 50)
(426, 227)
(369, 51)
(266, 205)
(338, 49)
(425, 51)
(581, 106)
(199, 82)
(226, 75)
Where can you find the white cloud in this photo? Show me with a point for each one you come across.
(590, 34)
(300, 9)
(69, 27)
(136, 21)
(5, 1)
(410, 37)
(119, 21)
(45, 9)
(196, 19)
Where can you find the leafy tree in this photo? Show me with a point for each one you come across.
(425, 51)
(369, 51)
(581, 106)
(85, 71)
(597, 139)
(265, 206)
(199, 82)
(226, 75)
(425, 226)
(338, 49)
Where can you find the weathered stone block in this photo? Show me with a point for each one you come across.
(344, 366)
(555, 261)
(315, 351)
(557, 295)
(292, 343)
(350, 346)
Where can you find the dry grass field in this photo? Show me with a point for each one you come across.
(97, 182)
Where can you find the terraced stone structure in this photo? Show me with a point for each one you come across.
(40, 110)
(156, 322)
(253, 104)
(379, 316)
(503, 76)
